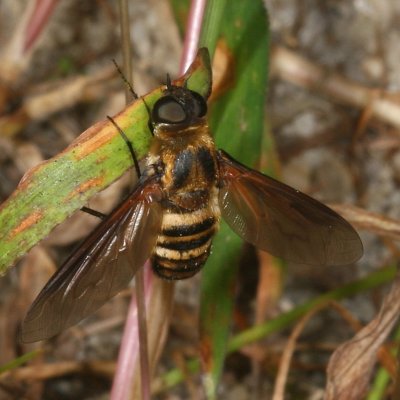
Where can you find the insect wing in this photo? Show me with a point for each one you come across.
(102, 265)
(283, 221)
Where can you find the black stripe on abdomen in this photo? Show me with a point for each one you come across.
(179, 269)
(188, 230)
(189, 244)
(183, 248)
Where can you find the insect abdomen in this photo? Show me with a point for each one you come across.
(190, 207)
(184, 244)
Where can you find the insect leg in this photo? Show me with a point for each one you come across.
(95, 213)
(99, 214)
(130, 147)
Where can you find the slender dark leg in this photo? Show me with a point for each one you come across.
(99, 214)
(95, 213)
(130, 147)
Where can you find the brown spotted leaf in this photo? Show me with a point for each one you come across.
(51, 191)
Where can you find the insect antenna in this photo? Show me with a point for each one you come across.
(136, 97)
(127, 83)
(130, 147)
(169, 84)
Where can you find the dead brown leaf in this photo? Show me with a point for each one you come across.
(36, 269)
(351, 365)
(223, 70)
(269, 287)
(284, 364)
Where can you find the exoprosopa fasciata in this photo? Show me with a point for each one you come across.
(173, 212)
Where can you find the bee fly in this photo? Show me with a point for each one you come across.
(173, 213)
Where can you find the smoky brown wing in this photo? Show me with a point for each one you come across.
(283, 221)
(102, 265)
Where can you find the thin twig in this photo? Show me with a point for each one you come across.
(126, 45)
(279, 389)
(143, 342)
(58, 369)
(129, 349)
(369, 221)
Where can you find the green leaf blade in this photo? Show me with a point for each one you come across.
(237, 119)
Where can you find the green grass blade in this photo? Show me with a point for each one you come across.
(251, 335)
(285, 320)
(17, 362)
(181, 11)
(213, 20)
(237, 120)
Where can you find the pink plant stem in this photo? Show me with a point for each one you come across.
(129, 350)
(194, 24)
(145, 374)
(37, 21)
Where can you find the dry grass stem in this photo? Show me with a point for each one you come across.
(296, 69)
(284, 365)
(54, 370)
(372, 222)
(68, 93)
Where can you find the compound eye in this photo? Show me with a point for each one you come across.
(168, 110)
(200, 106)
